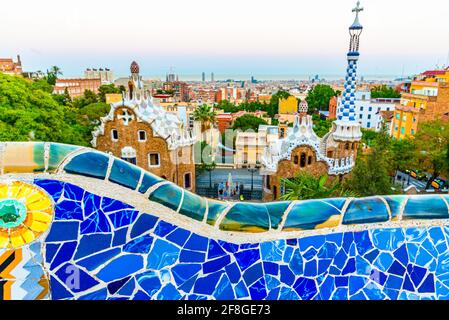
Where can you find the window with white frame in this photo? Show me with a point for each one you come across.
(142, 135)
(154, 159)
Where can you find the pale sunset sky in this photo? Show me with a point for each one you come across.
(244, 37)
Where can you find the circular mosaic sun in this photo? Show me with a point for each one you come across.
(26, 212)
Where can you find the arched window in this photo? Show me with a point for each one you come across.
(296, 160)
(347, 146)
(309, 160)
(303, 160)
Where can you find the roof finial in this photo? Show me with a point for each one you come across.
(357, 9)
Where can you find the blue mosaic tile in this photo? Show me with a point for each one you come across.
(90, 244)
(258, 290)
(139, 245)
(253, 273)
(50, 251)
(150, 282)
(128, 288)
(115, 286)
(192, 256)
(58, 291)
(215, 208)
(273, 250)
(224, 289)
(95, 223)
(125, 174)
(193, 206)
(90, 164)
(429, 207)
(163, 254)
(119, 237)
(396, 203)
(65, 253)
(308, 215)
(305, 288)
(163, 228)
(216, 264)
(168, 195)
(178, 236)
(215, 250)
(247, 258)
(148, 181)
(241, 291)
(75, 278)
(123, 218)
(169, 292)
(184, 271)
(206, 285)
(246, 217)
(63, 231)
(144, 223)
(233, 272)
(54, 188)
(114, 270)
(96, 260)
(276, 210)
(68, 210)
(366, 210)
(287, 276)
(197, 243)
(72, 192)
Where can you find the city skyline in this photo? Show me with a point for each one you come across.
(290, 39)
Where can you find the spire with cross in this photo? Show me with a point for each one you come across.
(348, 129)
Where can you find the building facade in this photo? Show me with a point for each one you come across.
(368, 111)
(425, 99)
(76, 87)
(288, 105)
(105, 75)
(143, 133)
(11, 67)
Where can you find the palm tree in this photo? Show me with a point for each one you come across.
(205, 115)
(306, 186)
(56, 71)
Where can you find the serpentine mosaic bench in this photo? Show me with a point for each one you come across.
(80, 224)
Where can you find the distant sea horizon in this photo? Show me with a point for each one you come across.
(269, 77)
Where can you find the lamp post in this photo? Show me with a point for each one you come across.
(252, 170)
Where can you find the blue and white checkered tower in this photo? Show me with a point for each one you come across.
(346, 126)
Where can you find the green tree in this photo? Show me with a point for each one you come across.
(403, 154)
(247, 122)
(306, 186)
(53, 74)
(105, 89)
(28, 113)
(319, 97)
(432, 140)
(320, 126)
(371, 175)
(384, 92)
(206, 115)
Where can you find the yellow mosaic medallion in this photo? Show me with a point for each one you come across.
(26, 212)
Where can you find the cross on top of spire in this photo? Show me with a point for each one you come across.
(357, 10)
